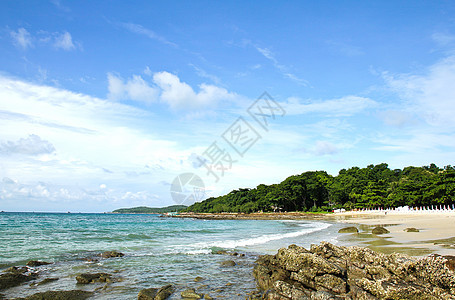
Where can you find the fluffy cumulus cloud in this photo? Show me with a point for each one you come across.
(179, 95)
(32, 145)
(135, 88)
(166, 88)
(21, 38)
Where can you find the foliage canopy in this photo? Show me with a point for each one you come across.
(370, 187)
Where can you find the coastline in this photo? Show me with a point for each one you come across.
(255, 216)
(436, 229)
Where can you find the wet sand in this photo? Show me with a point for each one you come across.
(436, 231)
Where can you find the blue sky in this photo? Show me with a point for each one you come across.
(104, 103)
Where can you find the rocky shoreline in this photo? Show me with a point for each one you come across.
(327, 271)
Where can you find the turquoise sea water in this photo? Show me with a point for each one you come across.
(157, 250)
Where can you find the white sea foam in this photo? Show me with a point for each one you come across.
(232, 244)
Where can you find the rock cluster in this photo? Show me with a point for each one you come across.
(327, 271)
(15, 276)
(87, 278)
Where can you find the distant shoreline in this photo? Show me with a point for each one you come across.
(256, 216)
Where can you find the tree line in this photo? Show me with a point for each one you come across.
(355, 188)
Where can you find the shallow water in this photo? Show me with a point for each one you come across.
(157, 250)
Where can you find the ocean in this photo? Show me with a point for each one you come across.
(157, 250)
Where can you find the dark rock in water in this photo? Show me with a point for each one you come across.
(109, 254)
(333, 272)
(156, 294)
(87, 278)
(412, 229)
(16, 270)
(47, 280)
(228, 263)
(350, 229)
(61, 295)
(12, 279)
(199, 278)
(190, 294)
(37, 263)
(379, 230)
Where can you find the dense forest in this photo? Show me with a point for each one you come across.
(371, 187)
(150, 210)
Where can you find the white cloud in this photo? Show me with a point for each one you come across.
(180, 95)
(92, 135)
(139, 29)
(59, 40)
(166, 88)
(22, 38)
(430, 96)
(267, 53)
(147, 71)
(345, 106)
(32, 145)
(426, 105)
(64, 41)
(135, 88)
(202, 73)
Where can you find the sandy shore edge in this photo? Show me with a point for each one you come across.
(436, 229)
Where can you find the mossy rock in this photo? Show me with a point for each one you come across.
(411, 229)
(228, 263)
(190, 294)
(379, 230)
(156, 294)
(350, 229)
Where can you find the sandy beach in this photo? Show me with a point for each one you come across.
(436, 231)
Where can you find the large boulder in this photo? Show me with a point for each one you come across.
(327, 271)
(190, 294)
(411, 229)
(379, 230)
(156, 293)
(350, 229)
(228, 263)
